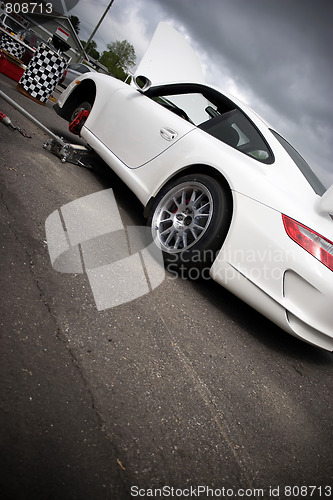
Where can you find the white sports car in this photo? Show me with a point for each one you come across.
(221, 189)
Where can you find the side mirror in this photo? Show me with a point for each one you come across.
(142, 82)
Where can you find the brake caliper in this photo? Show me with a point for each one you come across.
(76, 125)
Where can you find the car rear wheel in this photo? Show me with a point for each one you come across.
(84, 106)
(190, 219)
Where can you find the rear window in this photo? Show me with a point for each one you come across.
(304, 167)
(235, 129)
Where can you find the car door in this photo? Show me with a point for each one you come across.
(136, 128)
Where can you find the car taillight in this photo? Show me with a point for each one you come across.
(318, 246)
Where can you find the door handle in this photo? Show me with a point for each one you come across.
(168, 134)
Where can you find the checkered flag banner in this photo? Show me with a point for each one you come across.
(43, 73)
(14, 48)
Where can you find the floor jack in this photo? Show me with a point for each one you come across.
(72, 153)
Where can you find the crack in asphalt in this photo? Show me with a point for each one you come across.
(60, 332)
(200, 386)
(217, 415)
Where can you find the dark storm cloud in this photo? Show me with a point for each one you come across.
(278, 52)
(275, 54)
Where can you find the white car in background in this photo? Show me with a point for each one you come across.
(222, 191)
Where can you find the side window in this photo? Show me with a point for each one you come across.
(216, 115)
(236, 130)
(194, 107)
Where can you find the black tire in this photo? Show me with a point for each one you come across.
(190, 219)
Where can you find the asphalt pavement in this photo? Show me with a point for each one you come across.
(185, 390)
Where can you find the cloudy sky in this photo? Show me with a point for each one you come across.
(276, 55)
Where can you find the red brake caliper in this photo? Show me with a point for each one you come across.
(76, 125)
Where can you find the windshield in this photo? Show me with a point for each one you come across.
(81, 68)
(306, 170)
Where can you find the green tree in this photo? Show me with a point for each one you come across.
(92, 49)
(76, 23)
(119, 57)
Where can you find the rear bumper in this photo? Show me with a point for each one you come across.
(261, 265)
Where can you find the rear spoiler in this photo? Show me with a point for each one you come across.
(325, 203)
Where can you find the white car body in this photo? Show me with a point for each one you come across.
(148, 145)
